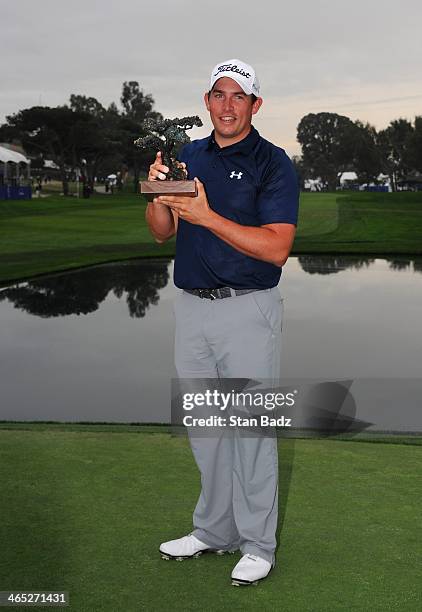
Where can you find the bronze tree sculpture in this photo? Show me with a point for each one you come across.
(167, 136)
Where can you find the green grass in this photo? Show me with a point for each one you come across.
(51, 234)
(56, 233)
(85, 511)
(318, 214)
(353, 222)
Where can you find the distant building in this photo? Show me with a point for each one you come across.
(313, 184)
(411, 182)
(15, 173)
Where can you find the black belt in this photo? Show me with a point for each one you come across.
(220, 293)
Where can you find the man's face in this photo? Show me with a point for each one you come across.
(231, 111)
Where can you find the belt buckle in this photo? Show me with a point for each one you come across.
(207, 293)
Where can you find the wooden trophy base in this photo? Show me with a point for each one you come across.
(151, 189)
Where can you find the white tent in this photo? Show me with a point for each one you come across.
(48, 163)
(345, 177)
(6, 155)
(9, 156)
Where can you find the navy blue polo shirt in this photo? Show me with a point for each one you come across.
(251, 182)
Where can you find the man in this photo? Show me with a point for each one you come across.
(232, 240)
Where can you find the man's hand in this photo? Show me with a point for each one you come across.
(157, 170)
(161, 220)
(195, 210)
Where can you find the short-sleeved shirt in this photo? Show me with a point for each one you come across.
(251, 182)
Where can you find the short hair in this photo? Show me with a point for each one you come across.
(253, 96)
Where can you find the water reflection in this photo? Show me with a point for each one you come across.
(331, 264)
(81, 292)
(417, 265)
(324, 264)
(406, 264)
(97, 344)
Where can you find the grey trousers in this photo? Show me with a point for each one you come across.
(236, 337)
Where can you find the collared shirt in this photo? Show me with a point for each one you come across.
(251, 182)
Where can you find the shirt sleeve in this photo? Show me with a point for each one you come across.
(278, 197)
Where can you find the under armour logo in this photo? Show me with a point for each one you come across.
(238, 175)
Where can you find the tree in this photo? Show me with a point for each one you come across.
(367, 160)
(302, 171)
(393, 143)
(137, 107)
(88, 105)
(106, 142)
(46, 131)
(85, 134)
(98, 140)
(328, 145)
(82, 136)
(136, 104)
(414, 152)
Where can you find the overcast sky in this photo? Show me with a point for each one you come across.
(362, 59)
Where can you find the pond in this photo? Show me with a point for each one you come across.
(96, 344)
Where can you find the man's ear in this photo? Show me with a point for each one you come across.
(256, 105)
(207, 103)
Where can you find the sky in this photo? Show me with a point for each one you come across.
(360, 59)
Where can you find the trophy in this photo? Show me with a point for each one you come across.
(167, 136)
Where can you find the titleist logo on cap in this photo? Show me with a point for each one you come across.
(238, 71)
(232, 68)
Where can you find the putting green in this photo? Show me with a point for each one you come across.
(85, 511)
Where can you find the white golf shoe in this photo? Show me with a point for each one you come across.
(250, 570)
(185, 548)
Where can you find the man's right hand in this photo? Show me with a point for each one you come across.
(161, 220)
(157, 170)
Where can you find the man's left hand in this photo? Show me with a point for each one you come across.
(195, 210)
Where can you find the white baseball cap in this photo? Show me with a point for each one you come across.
(242, 73)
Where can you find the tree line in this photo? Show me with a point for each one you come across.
(332, 144)
(83, 134)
